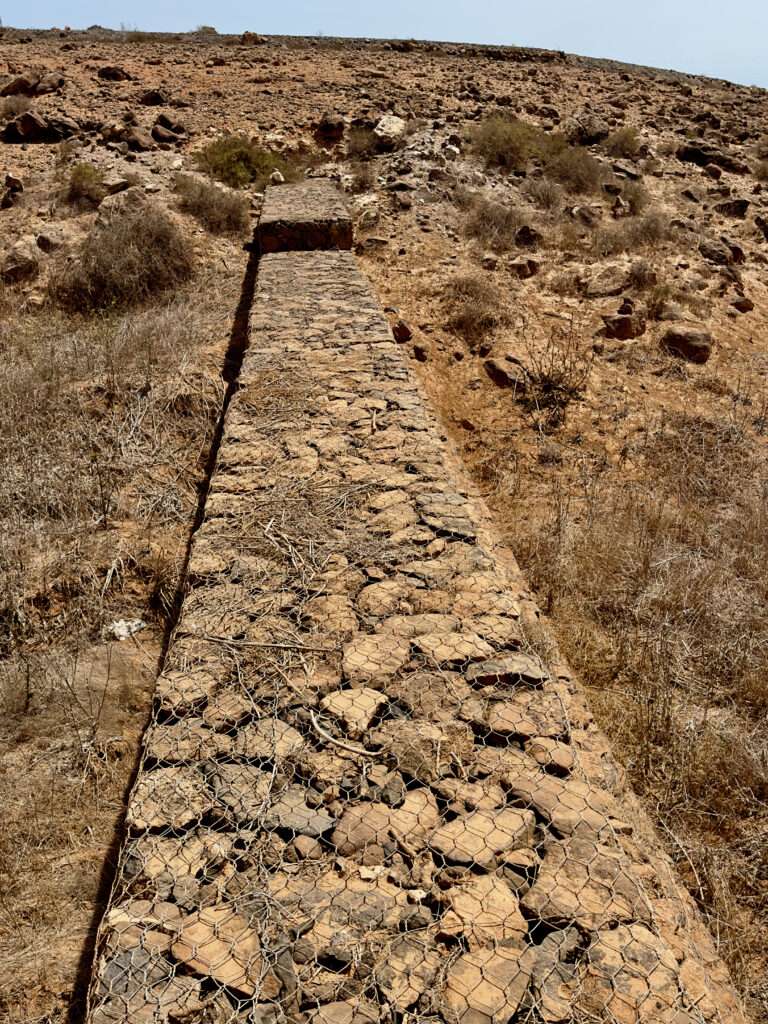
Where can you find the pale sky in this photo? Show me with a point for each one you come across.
(709, 37)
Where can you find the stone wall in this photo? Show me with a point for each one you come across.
(364, 794)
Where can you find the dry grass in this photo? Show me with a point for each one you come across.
(493, 224)
(12, 106)
(655, 578)
(219, 210)
(363, 177)
(650, 230)
(625, 142)
(105, 425)
(545, 194)
(136, 253)
(475, 307)
(85, 186)
(557, 374)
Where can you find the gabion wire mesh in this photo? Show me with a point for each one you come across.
(363, 797)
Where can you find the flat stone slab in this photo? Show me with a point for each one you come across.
(309, 215)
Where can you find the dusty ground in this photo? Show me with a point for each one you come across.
(638, 510)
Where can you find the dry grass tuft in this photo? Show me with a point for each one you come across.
(134, 254)
(557, 374)
(475, 307)
(507, 142)
(650, 230)
(12, 106)
(220, 211)
(493, 224)
(545, 194)
(625, 142)
(85, 186)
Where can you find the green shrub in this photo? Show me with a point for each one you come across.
(237, 161)
(511, 144)
(219, 210)
(136, 253)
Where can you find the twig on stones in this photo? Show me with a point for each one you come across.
(351, 747)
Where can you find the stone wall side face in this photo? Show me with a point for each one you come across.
(311, 215)
(362, 792)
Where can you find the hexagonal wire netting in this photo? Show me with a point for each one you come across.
(362, 796)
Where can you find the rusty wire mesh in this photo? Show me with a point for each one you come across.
(363, 796)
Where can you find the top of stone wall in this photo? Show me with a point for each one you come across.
(310, 215)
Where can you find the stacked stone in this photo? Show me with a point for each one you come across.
(364, 796)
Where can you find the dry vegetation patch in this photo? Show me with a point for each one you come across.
(475, 306)
(219, 210)
(136, 252)
(105, 425)
(656, 583)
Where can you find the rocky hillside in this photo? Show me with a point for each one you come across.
(574, 254)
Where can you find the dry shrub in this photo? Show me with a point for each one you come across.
(625, 142)
(631, 234)
(493, 224)
(363, 177)
(557, 374)
(361, 143)
(546, 195)
(134, 254)
(574, 168)
(642, 275)
(507, 142)
(657, 584)
(219, 210)
(12, 106)
(85, 186)
(635, 195)
(237, 161)
(475, 306)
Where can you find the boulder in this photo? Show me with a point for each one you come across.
(389, 132)
(623, 327)
(154, 98)
(21, 262)
(113, 73)
(733, 208)
(330, 128)
(688, 342)
(702, 154)
(33, 127)
(504, 374)
(587, 129)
